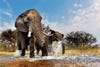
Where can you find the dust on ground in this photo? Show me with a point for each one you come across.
(51, 61)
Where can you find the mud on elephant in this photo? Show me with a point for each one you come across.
(29, 23)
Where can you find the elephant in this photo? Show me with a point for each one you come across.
(29, 23)
(55, 36)
(60, 37)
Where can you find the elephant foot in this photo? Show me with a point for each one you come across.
(45, 54)
(37, 52)
(31, 56)
(23, 52)
(44, 51)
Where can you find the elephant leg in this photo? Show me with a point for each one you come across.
(31, 43)
(27, 43)
(23, 52)
(23, 47)
(19, 45)
(38, 48)
(19, 41)
(63, 49)
(19, 51)
(44, 51)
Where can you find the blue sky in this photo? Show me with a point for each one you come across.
(62, 15)
(54, 10)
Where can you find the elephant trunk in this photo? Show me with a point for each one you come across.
(35, 27)
(39, 35)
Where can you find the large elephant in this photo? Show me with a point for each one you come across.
(29, 23)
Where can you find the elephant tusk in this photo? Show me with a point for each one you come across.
(29, 34)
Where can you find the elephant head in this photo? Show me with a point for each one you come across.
(33, 20)
(59, 36)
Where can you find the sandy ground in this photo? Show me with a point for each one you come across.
(51, 61)
(38, 63)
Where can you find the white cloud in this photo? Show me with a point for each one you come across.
(7, 10)
(77, 5)
(61, 27)
(62, 17)
(7, 3)
(4, 22)
(7, 25)
(6, 17)
(8, 13)
(88, 19)
(85, 19)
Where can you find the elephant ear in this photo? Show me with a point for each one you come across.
(16, 22)
(19, 17)
(20, 25)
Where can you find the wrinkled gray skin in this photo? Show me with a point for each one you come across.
(29, 23)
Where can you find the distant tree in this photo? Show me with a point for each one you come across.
(10, 37)
(80, 38)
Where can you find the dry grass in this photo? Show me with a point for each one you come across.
(6, 53)
(9, 53)
(76, 51)
(83, 51)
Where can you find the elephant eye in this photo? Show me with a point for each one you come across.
(28, 18)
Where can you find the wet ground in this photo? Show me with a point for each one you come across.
(51, 61)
